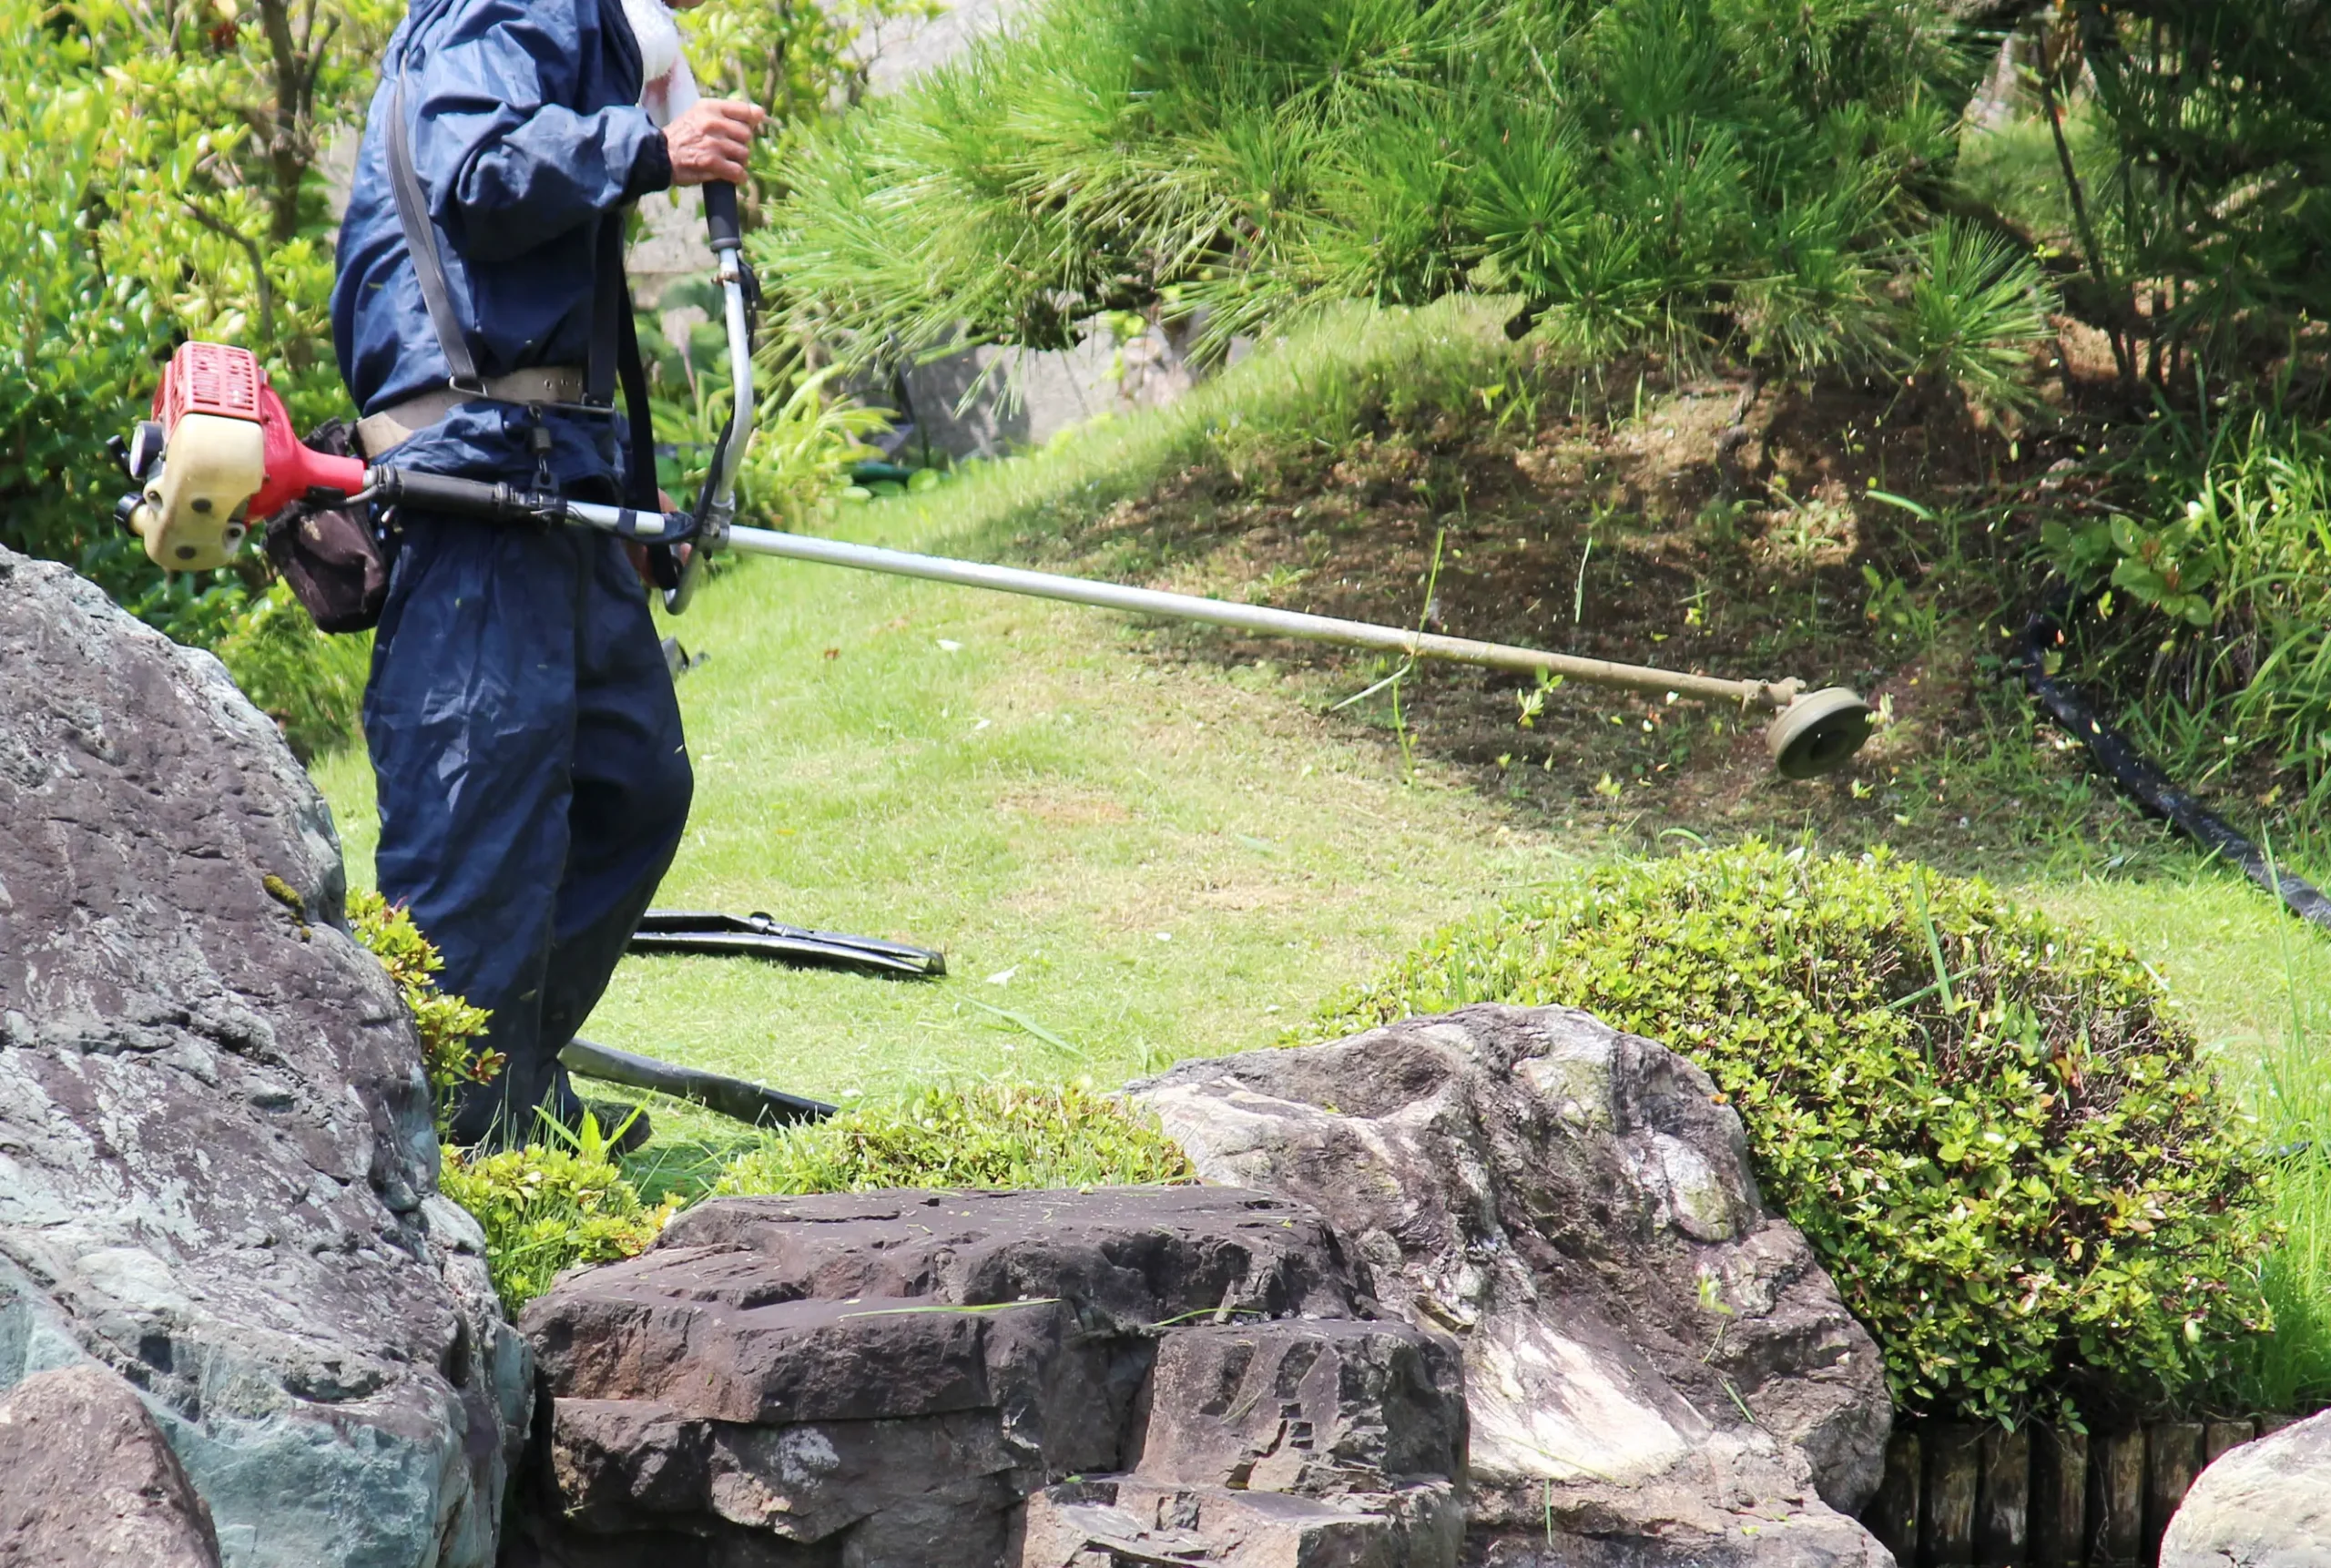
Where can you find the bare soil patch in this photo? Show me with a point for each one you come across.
(1702, 523)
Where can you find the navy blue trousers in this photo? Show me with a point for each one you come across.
(534, 782)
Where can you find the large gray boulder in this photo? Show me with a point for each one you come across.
(217, 1166)
(2265, 1504)
(1658, 1372)
(1040, 1379)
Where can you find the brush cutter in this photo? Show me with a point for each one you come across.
(219, 452)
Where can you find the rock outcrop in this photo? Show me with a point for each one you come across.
(87, 1478)
(2265, 1504)
(1051, 1380)
(1658, 1372)
(216, 1158)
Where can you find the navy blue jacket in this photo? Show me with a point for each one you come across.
(526, 134)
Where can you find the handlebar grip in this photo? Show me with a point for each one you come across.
(720, 215)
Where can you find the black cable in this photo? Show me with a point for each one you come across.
(2141, 778)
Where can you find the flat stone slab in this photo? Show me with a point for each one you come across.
(882, 1380)
(1134, 1256)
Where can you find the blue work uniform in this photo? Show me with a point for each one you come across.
(533, 779)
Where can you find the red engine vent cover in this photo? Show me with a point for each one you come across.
(211, 378)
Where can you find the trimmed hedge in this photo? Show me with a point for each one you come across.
(2001, 1144)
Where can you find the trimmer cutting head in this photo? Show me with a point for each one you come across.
(1817, 733)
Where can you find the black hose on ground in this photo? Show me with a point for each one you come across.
(733, 1097)
(2140, 779)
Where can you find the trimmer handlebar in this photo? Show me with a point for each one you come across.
(715, 502)
(720, 221)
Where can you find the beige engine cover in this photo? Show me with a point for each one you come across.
(193, 515)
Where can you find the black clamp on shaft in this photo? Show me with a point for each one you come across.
(464, 498)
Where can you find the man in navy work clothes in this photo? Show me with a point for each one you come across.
(533, 779)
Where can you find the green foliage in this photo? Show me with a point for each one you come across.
(1997, 1138)
(1685, 173)
(2216, 619)
(2219, 119)
(164, 158)
(74, 355)
(998, 1136)
(1974, 316)
(543, 1209)
(546, 1208)
(447, 1025)
(310, 683)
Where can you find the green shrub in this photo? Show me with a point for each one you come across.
(543, 1209)
(546, 1208)
(1996, 1136)
(1683, 173)
(992, 1136)
(310, 683)
(447, 1025)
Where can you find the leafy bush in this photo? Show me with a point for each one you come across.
(2218, 625)
(996, 1136)
(1996, 1136)
(543, 1209)
(1685, 173)
(79, 337)
(310, 683)
(447, 1025)
(546, 1208)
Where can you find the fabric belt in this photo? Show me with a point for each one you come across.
(378, 435)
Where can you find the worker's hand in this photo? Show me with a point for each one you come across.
(709, 142)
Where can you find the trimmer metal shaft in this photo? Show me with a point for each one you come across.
(1258, 618)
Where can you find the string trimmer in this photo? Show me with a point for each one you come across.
(221, 451)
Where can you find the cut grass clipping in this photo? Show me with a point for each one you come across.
(1997, 1138)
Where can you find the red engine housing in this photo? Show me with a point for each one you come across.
(222, 380)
